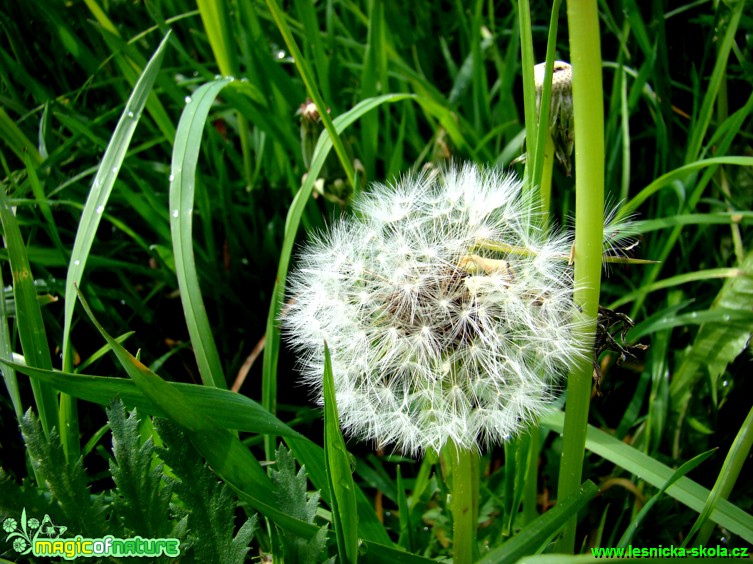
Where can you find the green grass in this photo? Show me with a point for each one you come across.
(115, 117)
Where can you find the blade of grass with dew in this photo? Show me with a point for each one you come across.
(188, 139)
(627, 536)
(29, 322)
(696, 276)
(725, 481)
(339, 473)
(680, 173)
(218, 26)
(722, 139)
(535, 536)
(89, 222)
(685, 490)
(129, 69)
(588, 103)
(716, 316)
(102, 188)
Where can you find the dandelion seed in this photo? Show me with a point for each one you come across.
(447, 311)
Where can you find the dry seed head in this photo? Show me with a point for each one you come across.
(434, 333)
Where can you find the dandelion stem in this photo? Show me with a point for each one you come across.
(463, 472)
(585, 56)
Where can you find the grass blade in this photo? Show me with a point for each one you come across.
(29, 321)
(339, 473)
(535, 536)
(733, 464)
(102, 188)
(224, 452)
(657, 474)
(627, 536)
(182, 188)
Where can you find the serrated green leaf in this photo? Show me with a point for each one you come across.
(66, 482)
(294, 499)
(228, 409)
(210, 505)
(718, 341)
(14, 498)
(141, 500)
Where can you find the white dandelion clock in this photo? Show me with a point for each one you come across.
(447, 311)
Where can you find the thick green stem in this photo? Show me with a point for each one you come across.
(585, 58)
(463, 472)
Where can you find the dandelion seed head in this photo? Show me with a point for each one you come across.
(447, 311)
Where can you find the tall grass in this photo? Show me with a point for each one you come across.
(154, 169)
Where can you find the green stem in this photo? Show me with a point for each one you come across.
(529, 89)
(463, 473)
(530, 503)
(545, 186)
(542, 167)
(585, 57)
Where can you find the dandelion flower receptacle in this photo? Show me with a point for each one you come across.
(447, 310)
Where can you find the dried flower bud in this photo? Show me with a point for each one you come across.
(561, 123)
(332, 183)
